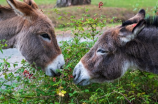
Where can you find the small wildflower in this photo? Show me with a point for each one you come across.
(60, 92)
(54, 79)
(30, 75)
(25, 72)
(100, 4)
(71, 76)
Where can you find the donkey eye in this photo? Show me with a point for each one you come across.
(102, 51)
(45, 37)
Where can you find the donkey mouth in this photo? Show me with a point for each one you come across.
(54, 68)
(83, 82)
(55, 74)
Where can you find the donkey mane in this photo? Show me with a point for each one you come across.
(151, 21)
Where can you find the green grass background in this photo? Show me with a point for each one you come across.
(107, 3)
(127, 3)
(4, 2)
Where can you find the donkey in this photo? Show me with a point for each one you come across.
(26, 28)
(133, 44)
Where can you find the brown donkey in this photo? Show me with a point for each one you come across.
(25, 27)
(118, 49)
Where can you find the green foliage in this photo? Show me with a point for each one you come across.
(2, 45)
(26, 85)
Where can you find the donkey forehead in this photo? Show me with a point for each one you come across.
(42, 24)
(108, 37)
(44, 20)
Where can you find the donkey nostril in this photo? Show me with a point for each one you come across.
(61, 67)
(74, 76)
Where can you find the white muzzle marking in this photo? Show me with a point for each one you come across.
(52, 68)
(81, 75)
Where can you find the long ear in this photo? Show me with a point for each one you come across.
(136, 30)
(31, 3)
(139, 16)
(129, 32)
(22, 9)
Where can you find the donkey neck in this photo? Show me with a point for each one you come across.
(144, 50)
(10, 26)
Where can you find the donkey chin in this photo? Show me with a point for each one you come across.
(54, 68)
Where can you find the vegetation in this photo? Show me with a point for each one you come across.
(118, 8)
(127, 3)
(25, 85)
(107, 3)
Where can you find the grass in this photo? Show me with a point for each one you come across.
(127, 3)
(108, 3)
(39, 2)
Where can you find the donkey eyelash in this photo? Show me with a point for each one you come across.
(102, 51)
(46, 36)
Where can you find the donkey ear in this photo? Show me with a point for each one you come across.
(31, 3)
(135, 19)
(139, 27)
(128, 33)
(22, 9)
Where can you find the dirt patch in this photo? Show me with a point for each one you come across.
(46, 6)
(68, 33)
(120, 14)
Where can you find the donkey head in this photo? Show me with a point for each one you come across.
(107, 60)
(36, 38)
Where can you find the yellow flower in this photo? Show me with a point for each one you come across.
(60, 92)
